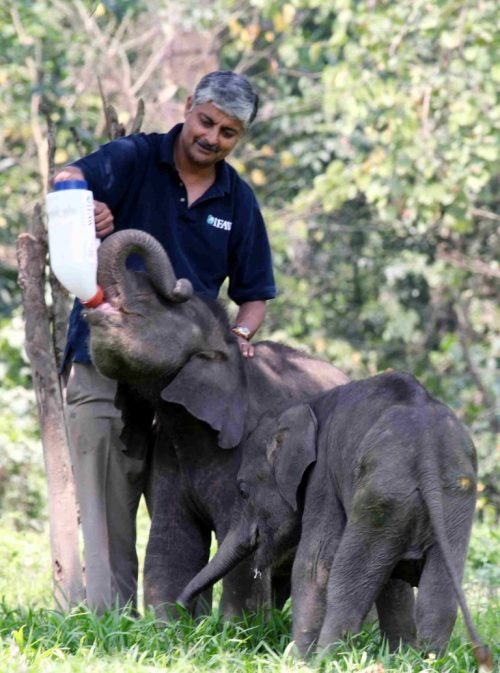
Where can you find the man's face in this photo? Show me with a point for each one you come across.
(208, 134)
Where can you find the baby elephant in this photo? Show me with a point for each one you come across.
(375, 481)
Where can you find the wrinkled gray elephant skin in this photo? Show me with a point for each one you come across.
(176, 358)
(378, 480)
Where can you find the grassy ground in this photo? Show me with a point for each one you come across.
(37, 639)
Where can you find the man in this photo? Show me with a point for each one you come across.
(178, 188)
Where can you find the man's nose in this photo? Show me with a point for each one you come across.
(212, 136)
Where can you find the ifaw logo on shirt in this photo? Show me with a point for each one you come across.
(218, 223)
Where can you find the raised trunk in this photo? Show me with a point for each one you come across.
(113, 254)
(236, 546)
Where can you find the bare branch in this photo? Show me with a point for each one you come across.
(151, 66)
(77, 140)
(465, 335)
(426, 105)
(117, 130)
(136, 125)
(484, 214)
(105, 108)
(23, 36)
(51, 141)
(140, 40)
(35, 70)
(459, 260)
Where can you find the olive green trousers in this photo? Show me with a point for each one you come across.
(109, 486)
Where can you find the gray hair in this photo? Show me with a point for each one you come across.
(231, 93)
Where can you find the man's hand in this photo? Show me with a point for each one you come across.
(104, 222)
(246, 348)
(250, 316)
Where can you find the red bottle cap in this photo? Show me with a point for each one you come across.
(97, 299)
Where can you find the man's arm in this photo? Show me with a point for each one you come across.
(250, 315)
(104, 223)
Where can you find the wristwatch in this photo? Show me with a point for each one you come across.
(241, 331)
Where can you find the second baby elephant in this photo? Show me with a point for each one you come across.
(378, 481)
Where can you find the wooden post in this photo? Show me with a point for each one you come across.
(63, 513)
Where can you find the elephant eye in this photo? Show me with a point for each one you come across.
(243, 489)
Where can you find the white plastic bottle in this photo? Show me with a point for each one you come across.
(72, 240)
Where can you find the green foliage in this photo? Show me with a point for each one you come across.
(49, 641)
(376, 156)
(22, 483)
(33, 638)
(25, 555)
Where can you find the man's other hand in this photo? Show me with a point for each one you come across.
(246, 348)
(104, 222)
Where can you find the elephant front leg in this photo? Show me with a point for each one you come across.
(310, 574)
(178, 547)
(309, 582)
(320, 537)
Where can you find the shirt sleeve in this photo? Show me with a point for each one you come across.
(110, 170)
(251, 275)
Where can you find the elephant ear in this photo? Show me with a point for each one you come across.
(213, 390)
(293, 449)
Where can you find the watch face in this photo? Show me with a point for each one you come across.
(241, 331)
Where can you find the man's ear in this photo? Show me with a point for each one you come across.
(188, 106)
(293, 449)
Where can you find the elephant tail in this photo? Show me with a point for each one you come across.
(431, 489)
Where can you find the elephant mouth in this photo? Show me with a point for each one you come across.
(104, 315)
(263, 557)
(108, 319)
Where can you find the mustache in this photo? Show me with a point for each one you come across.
(207, 146)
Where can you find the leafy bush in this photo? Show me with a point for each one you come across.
(22, 481)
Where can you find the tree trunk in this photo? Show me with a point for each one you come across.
(63, 516)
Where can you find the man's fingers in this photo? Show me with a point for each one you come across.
(101, 211)
(247, 350)
(104, 221)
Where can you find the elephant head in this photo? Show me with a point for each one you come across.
(152, 331)
(128, 336)
(266, 521)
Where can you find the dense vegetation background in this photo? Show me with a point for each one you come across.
(374, 158)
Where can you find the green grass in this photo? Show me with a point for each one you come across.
(35, 638)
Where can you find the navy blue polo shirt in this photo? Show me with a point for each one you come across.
(221, 235)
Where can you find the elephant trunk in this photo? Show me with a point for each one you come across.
(115, 250)
(234, 548)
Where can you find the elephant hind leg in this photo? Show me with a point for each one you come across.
(396, 613)
(361, 566)
(436, 603)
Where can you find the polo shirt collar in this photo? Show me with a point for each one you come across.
(222, 182)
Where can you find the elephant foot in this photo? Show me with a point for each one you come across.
(304, 645)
